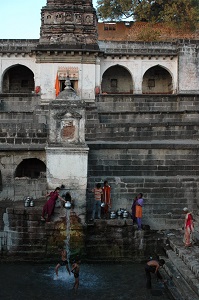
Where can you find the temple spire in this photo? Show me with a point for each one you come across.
(71, 23)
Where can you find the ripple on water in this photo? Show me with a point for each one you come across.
(97, 282)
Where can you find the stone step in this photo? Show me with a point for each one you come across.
(183, 265)
(127, 133)
(176, 283)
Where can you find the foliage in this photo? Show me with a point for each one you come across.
(149, 34)
(176, 13)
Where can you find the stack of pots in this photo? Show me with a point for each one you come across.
(28, 202)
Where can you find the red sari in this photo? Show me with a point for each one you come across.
(107, 197)
(49, 206)
(188, 229)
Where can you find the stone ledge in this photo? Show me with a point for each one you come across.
(186, 293)
(153, 144)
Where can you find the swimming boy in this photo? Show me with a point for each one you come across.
(63, 261)
(75, 271)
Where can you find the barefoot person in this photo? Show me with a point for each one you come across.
(138, 210)
(153, 266)
(188, 228)
(49, 206)
(63, 261)
(75, 271)
(98, 194)
(133, 208)
(106, 197)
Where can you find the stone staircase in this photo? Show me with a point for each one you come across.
(143, 118)
(148, 144)
(23, 120)
(182, 265)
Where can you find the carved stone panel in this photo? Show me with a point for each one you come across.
(67, 130)
(88, 19)
(78, 18)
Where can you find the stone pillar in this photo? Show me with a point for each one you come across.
(67, 152)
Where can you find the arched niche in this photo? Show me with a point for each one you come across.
(18, 79)
(117, 80)
(157, 80)
(32, 168)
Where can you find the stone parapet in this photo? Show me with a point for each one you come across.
(139, 48)
(17, 45)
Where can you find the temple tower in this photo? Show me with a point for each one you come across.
(71, 23)
(68, 47)
(67, 51)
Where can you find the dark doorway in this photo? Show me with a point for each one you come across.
(32, 168)
(18, 79)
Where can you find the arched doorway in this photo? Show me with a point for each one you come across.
(117, 80)
(18, 79)
(31, 167)
(157, 80)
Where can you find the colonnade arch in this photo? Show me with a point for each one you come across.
(118, 80)
(157, 80)
(18, 79)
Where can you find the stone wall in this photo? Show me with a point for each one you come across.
(25, 237)
(119, 240)
(142, 31)
(146, 144)
(189, 67)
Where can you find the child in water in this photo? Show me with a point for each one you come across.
(75, 271)
(63, 261)
(153, 266)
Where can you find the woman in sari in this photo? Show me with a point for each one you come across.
(138, 211)
(49, 206)
(188, 228)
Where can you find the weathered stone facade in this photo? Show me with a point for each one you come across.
(140, 111)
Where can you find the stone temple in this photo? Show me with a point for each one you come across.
(78, 106)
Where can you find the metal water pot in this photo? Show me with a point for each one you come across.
(119, 213)
(112, 215)
(102, 204)
(67, 205)
(32, 203)
(27, 201)
(125, 214)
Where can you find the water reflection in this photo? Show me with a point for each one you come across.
(97, 282)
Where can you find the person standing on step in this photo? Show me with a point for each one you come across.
(63, 261)
(153, 266)
(106, 197)
(188, 228)
(49, 206)
(133, 208)
(98, 195)
(138, 210)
